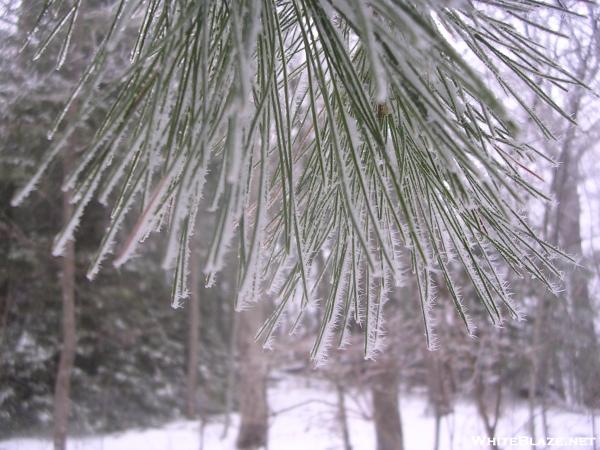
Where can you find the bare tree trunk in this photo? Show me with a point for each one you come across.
(342, 416)
(490, 422)
(594, 427)
(439, 389)
(230, 381)
(386, 408)
(6, 192)
(557, 375)
(544, 382)
(193, 333)
(254, 409)
(67, 354)
(436, 436)
(537, 353)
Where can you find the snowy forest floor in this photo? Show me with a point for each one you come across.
(304, 416)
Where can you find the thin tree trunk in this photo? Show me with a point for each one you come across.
(490, 423)
(439, 389)
(254, 410)
(557, 376)
(536, 355)
(67, 354)
(201, 431)
(193, 334)
(342, 416)
(230, 381)
(436, 436)
(6, 192)
(386, 409)
(594, 427)
(543, 382)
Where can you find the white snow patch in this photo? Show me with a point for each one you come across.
(304, 417)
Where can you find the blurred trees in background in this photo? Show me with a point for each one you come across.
(130, 343)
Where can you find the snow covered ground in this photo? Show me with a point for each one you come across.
(304, 417)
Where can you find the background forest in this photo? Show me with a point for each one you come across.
(139, 363)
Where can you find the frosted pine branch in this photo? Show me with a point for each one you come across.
(345, 132)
